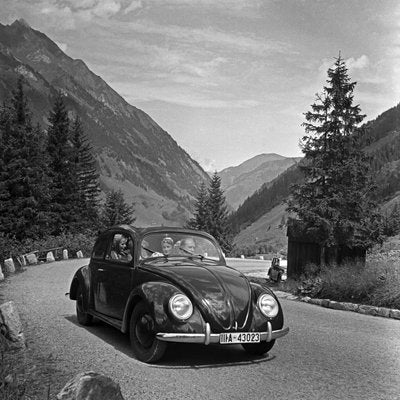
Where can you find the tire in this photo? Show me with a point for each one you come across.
(258, 349)
(145, 346)
(83, 317)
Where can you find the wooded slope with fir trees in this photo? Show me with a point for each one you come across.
(49, 184)
(133, 153)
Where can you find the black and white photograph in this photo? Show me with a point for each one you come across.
(199, 199)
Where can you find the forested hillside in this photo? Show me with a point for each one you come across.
(133, 153)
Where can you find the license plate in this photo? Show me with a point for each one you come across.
(239, 337)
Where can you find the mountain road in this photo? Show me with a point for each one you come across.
(328, 354)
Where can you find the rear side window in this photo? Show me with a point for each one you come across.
(100, 248)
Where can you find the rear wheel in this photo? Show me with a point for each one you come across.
(83, 317)
(258, 348)
(146, 347)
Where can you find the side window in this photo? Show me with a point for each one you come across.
(121, 248)
(100, 248)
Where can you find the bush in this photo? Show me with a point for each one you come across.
(377, 283)
(351, 282)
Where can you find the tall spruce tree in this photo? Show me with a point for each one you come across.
(88, 176)
(217, 214)
(199, 220)
(65, 196)
(24, 182)
(116, 211)
(334, 204)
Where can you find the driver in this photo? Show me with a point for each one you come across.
(187, 245)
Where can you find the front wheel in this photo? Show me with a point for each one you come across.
(83, 317)
(258, 348)
(146, 347)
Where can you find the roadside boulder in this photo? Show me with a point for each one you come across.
(90, 386)
(10, 325)
(79, 254)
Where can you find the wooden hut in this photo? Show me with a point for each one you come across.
(303, 249)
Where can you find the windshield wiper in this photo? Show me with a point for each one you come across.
(200, 256)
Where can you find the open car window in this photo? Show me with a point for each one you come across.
(174, 244)
(120, 248)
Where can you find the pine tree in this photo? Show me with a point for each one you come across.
(116, 211)
(23, 172)
(334, 203)
(6, 218)
(199, 220)
(88, 176)
(217, 215)
(65, 197)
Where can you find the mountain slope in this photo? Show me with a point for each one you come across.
(381, 142)
(242, 181)
(134, 153)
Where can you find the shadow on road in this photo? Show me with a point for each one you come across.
(177, 356)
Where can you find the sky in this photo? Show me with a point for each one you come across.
(227, 79)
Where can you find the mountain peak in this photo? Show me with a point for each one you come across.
(21, 22)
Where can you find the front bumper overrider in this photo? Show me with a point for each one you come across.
(207, 337)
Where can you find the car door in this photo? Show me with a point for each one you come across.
(112, 278)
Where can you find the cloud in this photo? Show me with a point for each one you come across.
(249, 8)
(64, 16)
(208, 164)
(360, 63)
(236, 41)
(142, 92)
(133, 6)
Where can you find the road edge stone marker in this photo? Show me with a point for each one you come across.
(343, 306)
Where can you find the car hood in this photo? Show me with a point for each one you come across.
(222, 294)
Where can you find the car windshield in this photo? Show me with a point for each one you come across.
(172, 244)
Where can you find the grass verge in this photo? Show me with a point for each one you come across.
(377, 283)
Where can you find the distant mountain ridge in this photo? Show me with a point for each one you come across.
(133, 152)
(257, 217)
(242, 181)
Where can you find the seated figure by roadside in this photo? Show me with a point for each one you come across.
(276, 271)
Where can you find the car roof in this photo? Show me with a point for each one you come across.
(154, 229)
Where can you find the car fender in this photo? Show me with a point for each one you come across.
(156, 295)
(81, 278)
(277, 322)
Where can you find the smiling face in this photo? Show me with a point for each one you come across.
(123, 244)
(166, 247)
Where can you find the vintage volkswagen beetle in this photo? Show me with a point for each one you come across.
(165, 285)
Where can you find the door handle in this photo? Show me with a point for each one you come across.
(100, 270)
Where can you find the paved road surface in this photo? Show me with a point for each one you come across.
(328, 354)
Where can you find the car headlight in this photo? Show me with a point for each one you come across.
(180, 307)
(268, 305)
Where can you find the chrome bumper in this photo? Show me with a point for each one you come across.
(208, 337)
